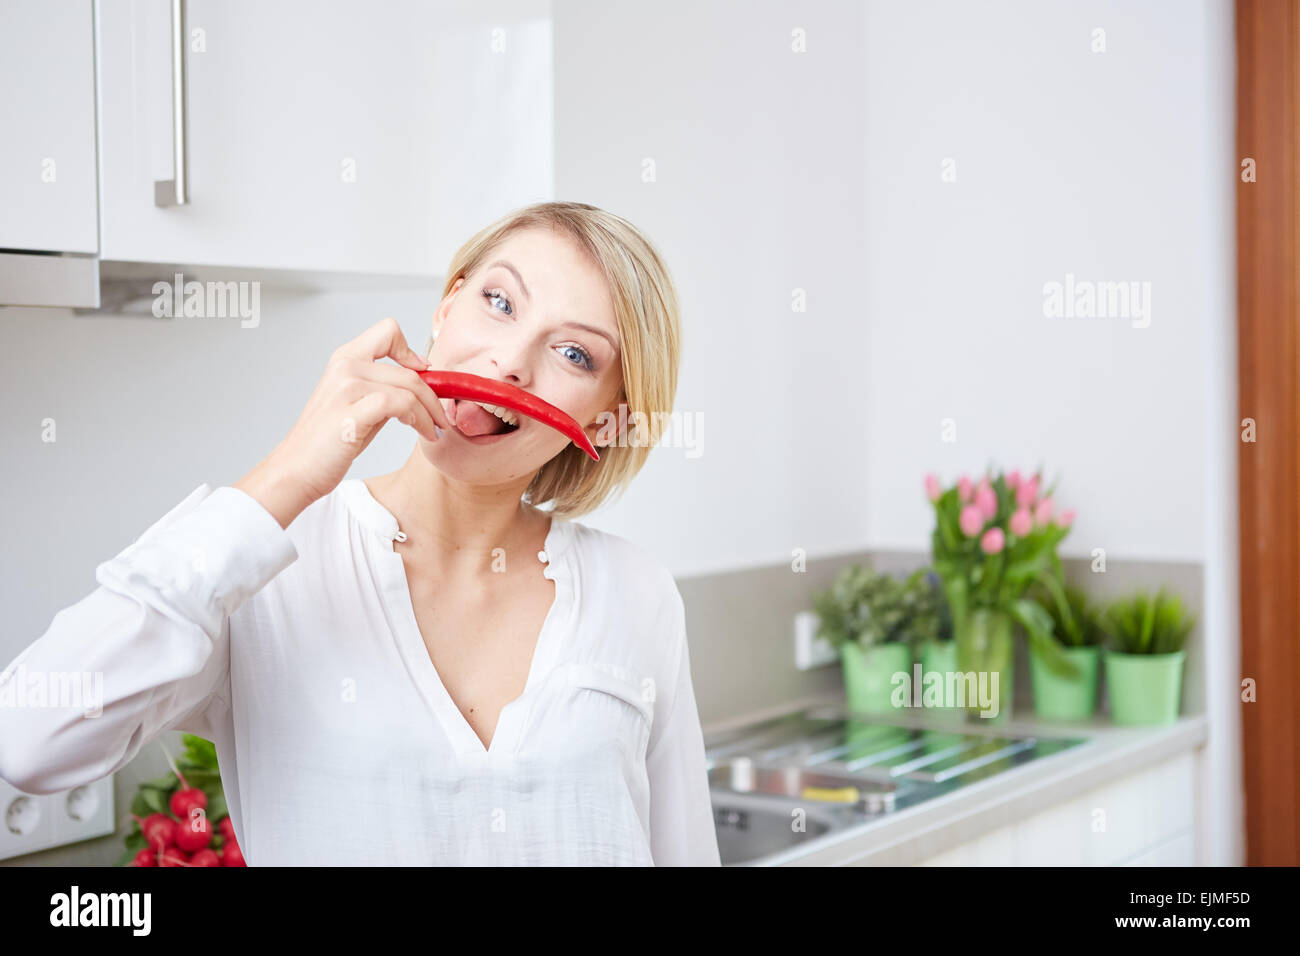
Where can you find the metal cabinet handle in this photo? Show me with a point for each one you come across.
(176, 192)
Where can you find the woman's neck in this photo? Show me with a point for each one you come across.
(455, 528)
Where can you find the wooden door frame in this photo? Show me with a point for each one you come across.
(1268, 225)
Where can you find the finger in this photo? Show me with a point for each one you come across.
(387, 402)
(384, 339)
(405, 378)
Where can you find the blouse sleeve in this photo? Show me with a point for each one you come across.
(682, 831)
(148, 649)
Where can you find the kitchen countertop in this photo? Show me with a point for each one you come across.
(911, 835)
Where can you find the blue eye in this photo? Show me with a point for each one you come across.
(491, 294)
(586, 356)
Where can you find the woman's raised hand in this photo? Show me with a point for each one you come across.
(354, 398)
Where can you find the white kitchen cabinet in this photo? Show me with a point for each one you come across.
(323, 136)
(47, 126)
(1144, 819)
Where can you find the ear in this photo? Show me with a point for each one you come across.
(605, 440)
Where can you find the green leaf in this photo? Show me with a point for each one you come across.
(154, 801)
(216, 803)
(1038, 626)
(200, 751)
(167, 784)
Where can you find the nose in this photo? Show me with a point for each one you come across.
(510, 360)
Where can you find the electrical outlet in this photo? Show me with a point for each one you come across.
(810, 650)
(30, 822)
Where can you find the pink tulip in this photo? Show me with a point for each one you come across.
(1026, 492)
(1066, 518)
(993, 541)
(1013, 480)
(1043, 511)
(986, 501)
(964, 488)
(1021, 523)
(932, 489)
(972, 519)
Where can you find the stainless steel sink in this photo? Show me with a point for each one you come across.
(783, 782)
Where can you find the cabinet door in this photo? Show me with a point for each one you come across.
(47, 120)
(330, 136)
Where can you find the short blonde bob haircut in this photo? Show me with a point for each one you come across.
(649, 322)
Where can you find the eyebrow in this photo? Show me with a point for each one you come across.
(570, 324)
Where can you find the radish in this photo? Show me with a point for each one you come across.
(195, 834)
(205, 857)
(186, 798)
(174, 857)
(231, 855)
(159, 830)
(183, 801)
(145, 858)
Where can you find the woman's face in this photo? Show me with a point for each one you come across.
(536, 314)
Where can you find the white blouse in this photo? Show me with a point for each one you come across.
(298, 654)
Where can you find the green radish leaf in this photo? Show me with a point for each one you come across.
(167, 784)
(153, 800)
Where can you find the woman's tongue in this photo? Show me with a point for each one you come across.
(473, 419)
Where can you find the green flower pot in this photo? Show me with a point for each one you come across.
(1144, 688)
(869, 674)
(940, 656)
(985, 647)
(1066, 698)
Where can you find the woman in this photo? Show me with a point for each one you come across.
(423, 667)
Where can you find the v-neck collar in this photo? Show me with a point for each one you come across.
(397, 596)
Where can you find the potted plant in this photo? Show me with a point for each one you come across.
(864, 616)
(930, 628)
(993, 540)
(1144, 657)
(1076, 623)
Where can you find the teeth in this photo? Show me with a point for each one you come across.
(505, 414)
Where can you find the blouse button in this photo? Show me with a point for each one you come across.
(541, 556)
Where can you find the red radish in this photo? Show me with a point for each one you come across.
(186, 798)
(173, 857)
(183, 801)
(205, 857)
(231, 855)
(226, 826)
(145, 858)
(159, 832)
(194, 834)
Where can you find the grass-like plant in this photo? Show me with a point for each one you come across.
(1146, 624)
(1076, 619)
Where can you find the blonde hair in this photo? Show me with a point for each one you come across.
(648, 316)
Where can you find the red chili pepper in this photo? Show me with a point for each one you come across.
(448, 384)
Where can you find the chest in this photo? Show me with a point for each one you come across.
(482, 641)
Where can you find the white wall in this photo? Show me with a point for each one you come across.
(758, 153)
(1110, 166)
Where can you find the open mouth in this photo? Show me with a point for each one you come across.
(475, 419)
